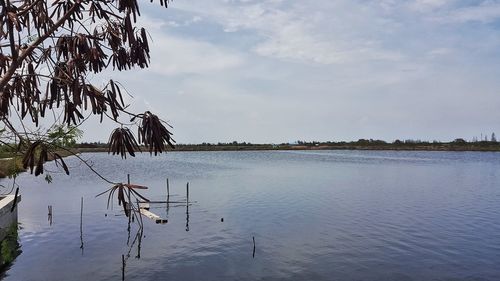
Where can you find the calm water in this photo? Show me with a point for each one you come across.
(329, 215)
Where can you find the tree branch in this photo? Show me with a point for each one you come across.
(29, 7)
(17, 62)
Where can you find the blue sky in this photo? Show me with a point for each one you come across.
(280, 71)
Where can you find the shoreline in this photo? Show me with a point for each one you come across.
(389, 147)
(13, 165)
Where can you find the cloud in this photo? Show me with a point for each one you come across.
(183, 56)
(485, 12)
(429, 5)
(273, 71)
(299, 31)
(174, 55)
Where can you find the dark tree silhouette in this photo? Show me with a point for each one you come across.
(47, 51)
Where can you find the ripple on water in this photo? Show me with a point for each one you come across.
(314, 215)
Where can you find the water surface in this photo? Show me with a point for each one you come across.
(315, 215)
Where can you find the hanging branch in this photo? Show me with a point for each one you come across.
(47, 51)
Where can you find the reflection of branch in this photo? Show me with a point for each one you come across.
(137, 238)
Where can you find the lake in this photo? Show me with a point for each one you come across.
(315, 215)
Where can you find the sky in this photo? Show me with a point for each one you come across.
(273, 71)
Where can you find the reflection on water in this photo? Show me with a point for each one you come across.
(49, 215)
(187, 217)
(253, 253)
(327, 215)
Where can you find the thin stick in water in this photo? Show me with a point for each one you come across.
(168, 190)
(128, 204)
(187, 206)
(81, 224)
(168, 196)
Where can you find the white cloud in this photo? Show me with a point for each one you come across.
(175, 55)
(299, 32)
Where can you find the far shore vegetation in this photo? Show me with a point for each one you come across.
(458, 144)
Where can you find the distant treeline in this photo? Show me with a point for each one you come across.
(458, 144)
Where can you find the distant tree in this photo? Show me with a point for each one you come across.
(49, 50)
(493, 137)
(459, 141)
(377, 142)
(64, 136)
(363, 141)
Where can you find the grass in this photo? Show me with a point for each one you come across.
(10, 166)
(9, 247)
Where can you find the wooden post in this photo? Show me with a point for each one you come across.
(129, 204)
(168, 190)
(81, 224)
(187, 206)
(168, 196)
(81, 213)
